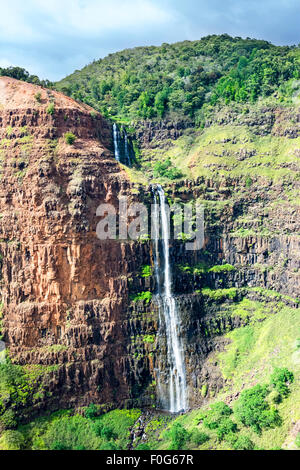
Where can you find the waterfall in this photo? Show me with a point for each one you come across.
(127, 153)
(122, 146)
(116, 141)
(2, 352)
(177, 398)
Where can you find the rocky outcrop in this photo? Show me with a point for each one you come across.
(156, 133)
(64, 291)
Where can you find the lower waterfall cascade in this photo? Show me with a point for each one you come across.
(168, 311)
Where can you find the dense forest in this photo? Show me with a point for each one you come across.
(183, 79)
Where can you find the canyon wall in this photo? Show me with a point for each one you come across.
(64, 291)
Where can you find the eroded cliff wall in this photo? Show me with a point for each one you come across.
(64, 291)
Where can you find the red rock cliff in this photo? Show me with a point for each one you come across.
(64, 291)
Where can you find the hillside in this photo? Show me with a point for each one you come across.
(180, 81)
(218, 107)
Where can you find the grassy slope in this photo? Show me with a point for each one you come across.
(224, 150)
(63, 430)
(250, 357)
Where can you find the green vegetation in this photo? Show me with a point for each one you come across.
(220, 294)
(146, 296)
(199, 268)
(166, 170)
(218, 87)
(178, 436)
(222, 268)
(64, 431)
(252, 346)
(146, 271)
(231, 150)
(51, 109)
(38, 97)
(20, 386)
(253, 410)
(21, 74)
(280, 379)
(150, 339)
(70, 138)
(244, 426)
(183, 79)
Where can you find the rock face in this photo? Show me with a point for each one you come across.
(70, 300)
(63, 290)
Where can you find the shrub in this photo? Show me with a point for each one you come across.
(178, 436)
(166, 170)
(204, 390)
(147, 296)
(274, 397)
(71, 433)
(12, 440)
(222, 268)
(243, 443)
(56, 445)
(91, 411)
(109, 446)
(119, 421)
(146, 271)
(51, 109)
(143, 446)
(249, 182)
(198, 437)
(8, 420)
(149, 339)
(38, 96)
(225, 427)
(214, 416)
(280, 378)
(14, 385)
(220, 294)
(107, 433)
(254, 411)
(70, 138)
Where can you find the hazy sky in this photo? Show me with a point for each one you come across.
(52, 38)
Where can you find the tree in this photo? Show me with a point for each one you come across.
(280, 379)
(160, 101)
(178, 436)
(254, 411)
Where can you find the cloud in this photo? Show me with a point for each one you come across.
(97, 17)
(53, 38)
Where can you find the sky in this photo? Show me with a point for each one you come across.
(52, 38)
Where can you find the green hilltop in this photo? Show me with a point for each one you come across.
(183, 79)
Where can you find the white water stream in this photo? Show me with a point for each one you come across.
(116, 142)
(177, 399)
